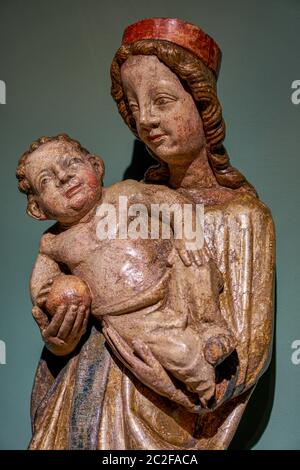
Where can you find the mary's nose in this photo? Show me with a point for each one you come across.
(147, 118)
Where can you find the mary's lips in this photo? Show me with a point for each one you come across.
(69, 193)
(154, 138)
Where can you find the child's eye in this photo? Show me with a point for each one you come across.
(133, 107)
(74, 160)
(44, 181)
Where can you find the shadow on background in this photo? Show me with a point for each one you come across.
(140, 162)
(257, 414)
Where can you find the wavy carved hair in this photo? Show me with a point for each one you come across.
(201, 82)
(23, 183)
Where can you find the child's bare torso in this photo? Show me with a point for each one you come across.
(133, 276)
(114, 269)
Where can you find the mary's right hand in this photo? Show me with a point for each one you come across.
(146, 368)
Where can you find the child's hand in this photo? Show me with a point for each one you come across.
(63, 332)
(41, 299)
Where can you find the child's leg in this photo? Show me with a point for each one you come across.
(181, 352)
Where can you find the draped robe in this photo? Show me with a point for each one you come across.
(90, 401)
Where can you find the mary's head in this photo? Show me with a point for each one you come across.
(164, 82)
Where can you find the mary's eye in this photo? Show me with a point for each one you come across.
(162, 100)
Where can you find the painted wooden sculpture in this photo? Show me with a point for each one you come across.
(150, 344)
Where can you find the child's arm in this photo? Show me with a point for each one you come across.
(43, 273)
(63, 332)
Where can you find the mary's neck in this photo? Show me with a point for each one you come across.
(196, 173)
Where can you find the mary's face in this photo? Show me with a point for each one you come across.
(166, 116)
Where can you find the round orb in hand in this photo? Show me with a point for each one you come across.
(67, 289)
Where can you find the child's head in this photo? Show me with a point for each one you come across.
(61, 179)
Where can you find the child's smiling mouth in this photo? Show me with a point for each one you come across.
(73, 190)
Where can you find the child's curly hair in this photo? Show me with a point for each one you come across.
(23, 183)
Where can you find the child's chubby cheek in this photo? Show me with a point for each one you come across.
(90, 190)
(94, 181)
(91, 180)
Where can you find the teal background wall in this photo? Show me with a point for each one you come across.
(54, 58)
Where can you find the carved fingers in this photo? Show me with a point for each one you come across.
(119, 347)
(43, 293)
(184, 254)
(188, 256)
(195, 257)
(62, 334)
(146, 368)
(40, 317)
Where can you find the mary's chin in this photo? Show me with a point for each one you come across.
(167, 155)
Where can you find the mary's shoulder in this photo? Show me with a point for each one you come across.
(124, 187)
(240, 226)
(244, 212)
(242, 206)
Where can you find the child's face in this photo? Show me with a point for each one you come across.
(66, 184)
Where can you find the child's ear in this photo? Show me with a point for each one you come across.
(98, 165)
(34, 210)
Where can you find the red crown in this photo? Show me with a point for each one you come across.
(179, 32)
